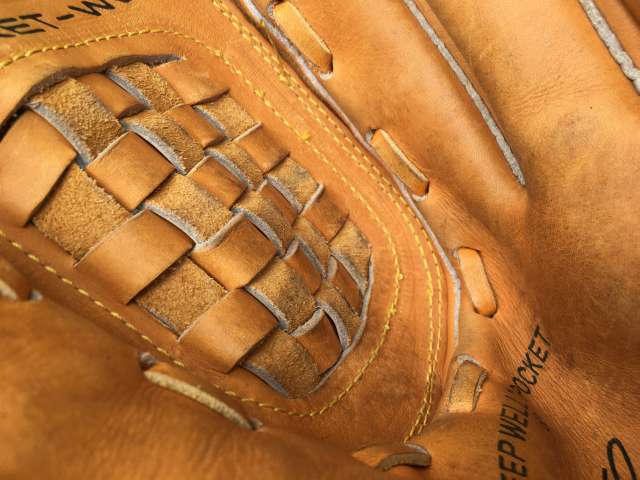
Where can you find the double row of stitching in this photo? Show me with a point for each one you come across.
(244, 244)
(386, 186)
(304, 138)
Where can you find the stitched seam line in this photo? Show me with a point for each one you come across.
(84, 293)
(304, 137)
(292, 82)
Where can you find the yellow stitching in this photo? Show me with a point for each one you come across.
(283, 75)
(231, 393)
(53, 271)
(302, 136)
(305, 137)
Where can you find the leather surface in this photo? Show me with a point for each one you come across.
(560, 253)
(407, 311)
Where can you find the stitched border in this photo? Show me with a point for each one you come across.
(292, 83)
(84, 293)
(305, 138)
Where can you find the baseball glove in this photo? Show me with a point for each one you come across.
(321, 239)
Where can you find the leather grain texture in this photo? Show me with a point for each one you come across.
(323, 239)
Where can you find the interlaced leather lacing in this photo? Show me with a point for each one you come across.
(167, 192)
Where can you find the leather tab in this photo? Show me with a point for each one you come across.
(294, 182)
(78, 114)
(33, 156)
(147, 84)
(135, 254)
(466, 386)
(262, 148)
(130, 170)
(477, 282)
(280, 289)
(191, 87)
(168, 137)
(228, 330)
(301, 264)
(395, 159)
(386, 456)
(238, 258)
(218, 181)
(325, 215)
(120, 102)
(196, 125)
(228, 114)
(321, 341)
(303, 36)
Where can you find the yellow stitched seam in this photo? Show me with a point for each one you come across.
(81, 291)
(283, 75)
(304, 137)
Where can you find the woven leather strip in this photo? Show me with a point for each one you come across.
(147, 85)
(168, 137)
(285, 364)
(181, 294)
(266, 216)
(269, 192)
(187, 207)
(120, 102)
(322, 343)
(351, 248)
(294, 182)
(130, 169)
(313, 243)
(192, 86)
(190, 207)
(131, 257)
(345, 319)
(300, 263)
(346, 285)
(238, 257)
(237, 160)
(325, 215)
(262, 148)
(196, 125)
(30, 165)
(284, 293)
(229, 115)
(228, 319)
(77, 113)
(78, 227)
(218, 181)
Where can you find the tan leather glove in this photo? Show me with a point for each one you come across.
(340, 239)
